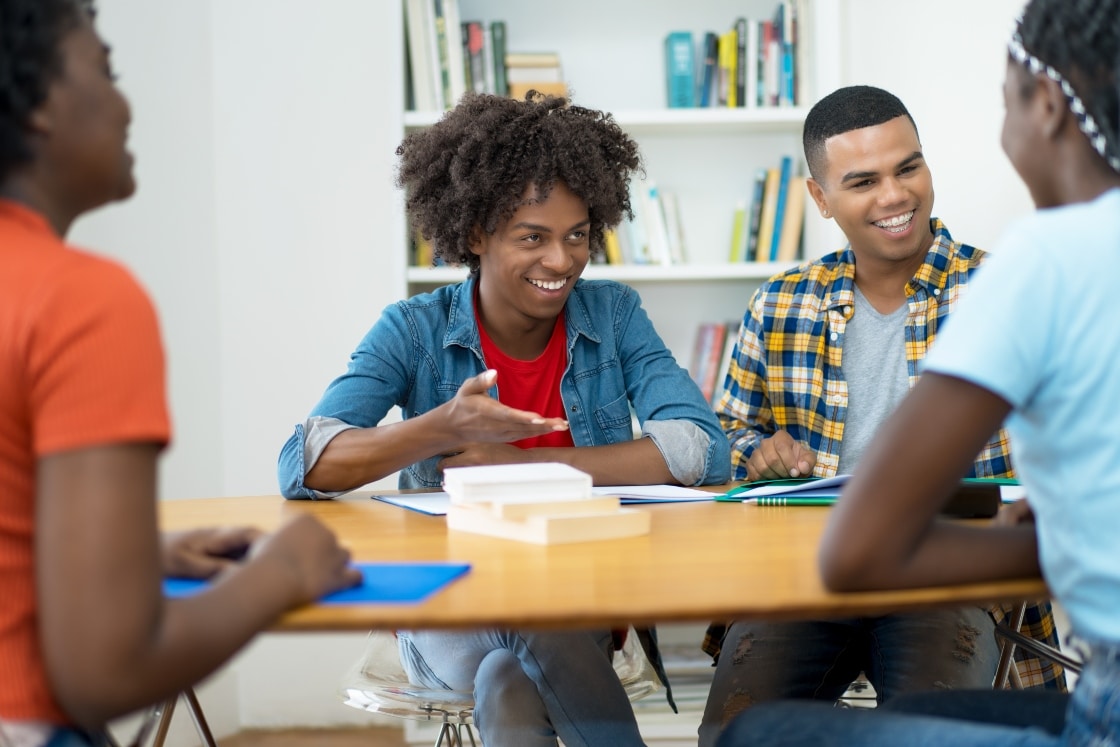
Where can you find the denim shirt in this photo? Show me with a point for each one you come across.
(422, 349)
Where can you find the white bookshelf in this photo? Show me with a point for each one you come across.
(612, 57)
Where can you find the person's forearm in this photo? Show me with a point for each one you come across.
(362, 455)
(630, 463)
(183, 641)
(949, 553)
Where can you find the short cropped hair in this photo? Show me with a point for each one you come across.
(844, 110)
(30, 33)
(469, 172)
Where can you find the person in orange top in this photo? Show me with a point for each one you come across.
(85, 632)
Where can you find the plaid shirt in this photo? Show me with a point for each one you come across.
(785, 374)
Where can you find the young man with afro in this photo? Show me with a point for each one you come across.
(521, 362)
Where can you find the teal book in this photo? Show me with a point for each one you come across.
(780, 206)
(679, 70)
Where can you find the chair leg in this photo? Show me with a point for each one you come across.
(195, 709)
(199, 719)
(1007, 650)
(470, 735)
(448, 736)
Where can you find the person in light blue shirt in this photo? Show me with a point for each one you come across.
(522, 362)
(1035, 345)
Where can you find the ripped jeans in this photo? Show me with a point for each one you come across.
(529, 687)
(936, 649)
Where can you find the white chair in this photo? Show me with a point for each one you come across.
(378, 683)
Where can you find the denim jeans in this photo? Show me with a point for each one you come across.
(1092, 719)
(936, 649)
(529, 687)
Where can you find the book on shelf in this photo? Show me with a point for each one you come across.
(750, 59)
(423, 56)
(707, 75)
(612, 249)
(766, 217)
(758, 189)
(475, 63)
(728, 50)
(789, 242)
(740, 61)
(707, 354)
(539, 71)
(785, 171)
(738, 231)
(730, 339)
(450, 45)
(498, 57)
(674, 226)
(679, 70)
(657, 231)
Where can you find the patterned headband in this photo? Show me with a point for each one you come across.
(1085, 121)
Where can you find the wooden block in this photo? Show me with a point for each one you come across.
(550, 530)
(605, 504)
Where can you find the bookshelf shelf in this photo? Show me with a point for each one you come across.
(727, 272)
(678, 121)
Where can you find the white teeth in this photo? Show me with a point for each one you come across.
(897, 224)
(551, 285)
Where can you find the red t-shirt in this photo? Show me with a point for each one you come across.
(81, 365)
(532, 385)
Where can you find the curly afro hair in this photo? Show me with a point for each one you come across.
(469, 172)
(30, 33)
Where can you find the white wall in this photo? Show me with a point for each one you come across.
(264, 132)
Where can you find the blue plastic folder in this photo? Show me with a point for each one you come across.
(384, 583)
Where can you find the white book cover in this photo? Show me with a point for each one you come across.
(526, 483)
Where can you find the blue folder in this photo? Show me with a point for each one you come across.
(385, 583)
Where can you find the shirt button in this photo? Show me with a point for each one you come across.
(836, 399)
(834, 337)
(937, 291)
(573, 408)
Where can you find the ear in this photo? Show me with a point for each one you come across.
(1049, 104)
(40, 121)
(816, 191)
(476, 244)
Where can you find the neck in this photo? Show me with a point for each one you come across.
(24, 191)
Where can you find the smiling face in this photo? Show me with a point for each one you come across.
(878, 188)
(527, 267)
(83, 127)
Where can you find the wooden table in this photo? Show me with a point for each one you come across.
(700, 562)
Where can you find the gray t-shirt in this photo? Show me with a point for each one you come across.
(874, 366)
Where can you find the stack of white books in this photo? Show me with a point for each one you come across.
(545, 503)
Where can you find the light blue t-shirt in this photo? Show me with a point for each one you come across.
(1040, 327)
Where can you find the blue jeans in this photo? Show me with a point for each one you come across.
(65, 737)
(1092, 718)
(933, 650)
(529, 687)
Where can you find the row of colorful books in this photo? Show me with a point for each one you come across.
(655, 235)
(768, 227)
(756, 63)
(711, 356)
(448, 56)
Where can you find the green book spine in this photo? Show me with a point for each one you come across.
(498, 35)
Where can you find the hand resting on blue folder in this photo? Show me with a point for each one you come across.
(385, 583)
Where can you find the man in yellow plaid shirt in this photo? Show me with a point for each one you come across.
(824, 354)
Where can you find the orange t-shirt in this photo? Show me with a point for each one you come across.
(81, 365)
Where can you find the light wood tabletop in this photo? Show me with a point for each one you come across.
(701, 561)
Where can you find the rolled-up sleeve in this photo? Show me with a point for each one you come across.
(302, 452)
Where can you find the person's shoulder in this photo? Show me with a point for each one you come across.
(816, 277)
(81, 281)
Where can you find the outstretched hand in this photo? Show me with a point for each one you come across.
(473, 415)
(202, 553)
(780, 456)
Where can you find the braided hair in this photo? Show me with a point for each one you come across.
(30, 33)
(1077, 44)
(469, 171)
